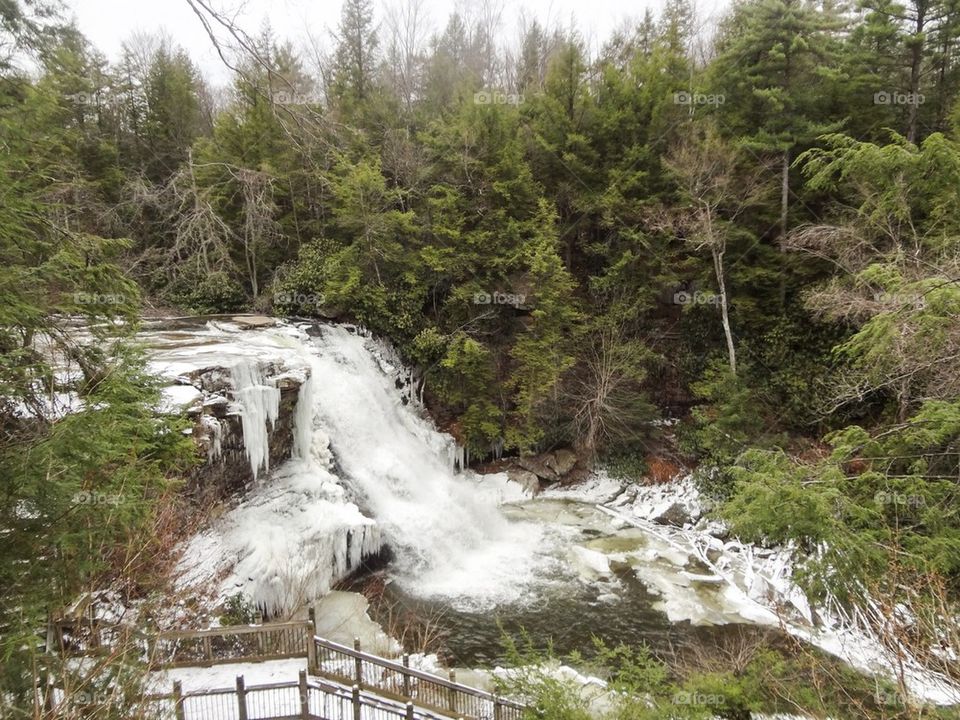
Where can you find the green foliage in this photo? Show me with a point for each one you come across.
(238, 610)
(726, 423)
(206, 293)
(880, 501)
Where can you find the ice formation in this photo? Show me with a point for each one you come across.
(260, 406)
(449, 535)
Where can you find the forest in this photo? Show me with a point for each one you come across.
(749, 228)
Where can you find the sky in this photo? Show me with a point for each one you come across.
(107, 23)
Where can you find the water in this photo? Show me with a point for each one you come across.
(445, 528)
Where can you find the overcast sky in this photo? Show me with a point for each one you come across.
(109, 22)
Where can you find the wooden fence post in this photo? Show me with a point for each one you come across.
(452, 693)
(304, 696)
(497, 709)
(358, 663)
(311, 643)
(241, 699)
(178, 700)
(406, 676)
(357, 708)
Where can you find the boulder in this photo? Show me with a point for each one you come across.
(551, 466)
(673, 513)
(526, 479)
(537, 465)
(562, 461)
(254, 321)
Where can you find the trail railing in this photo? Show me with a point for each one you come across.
(177, 648)
(352, 666)
(306, 698)
(275, 641)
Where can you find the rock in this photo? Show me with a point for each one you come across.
(526, 479)
(253, 321)
(552, 466)
(562, 461)
(538, 466)
(674, 514)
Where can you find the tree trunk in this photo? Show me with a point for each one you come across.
(724, 312)
(784, 191)
(916, 60)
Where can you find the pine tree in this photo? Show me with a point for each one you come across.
(775, 57)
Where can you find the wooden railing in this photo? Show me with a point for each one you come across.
(274, 641)
(228, 644)
(306, 698)
(352, 666)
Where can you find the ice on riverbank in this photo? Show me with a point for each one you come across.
(704, 579)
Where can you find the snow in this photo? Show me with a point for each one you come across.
(174, 398)
(225, 676)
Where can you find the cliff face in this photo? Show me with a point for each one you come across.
(218, 431)
(238, 379)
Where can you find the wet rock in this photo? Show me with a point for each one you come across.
(253, 321)
(552, 466)
(675, 514)
(537, 465)
(526, 479)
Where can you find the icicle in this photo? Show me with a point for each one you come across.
(260, 405)
(303, 421)
(215, 433)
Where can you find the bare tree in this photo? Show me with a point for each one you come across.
(609, 403)
(716, 188)
(406, 23)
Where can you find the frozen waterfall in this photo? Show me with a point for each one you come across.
(368, 469)
(447, 531)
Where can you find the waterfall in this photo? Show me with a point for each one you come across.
(445, 527)
(368, 469)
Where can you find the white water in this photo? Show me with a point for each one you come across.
(367, 469)
(445, 527)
